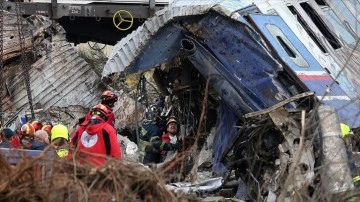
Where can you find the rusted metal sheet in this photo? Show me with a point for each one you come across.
(11, 35)
(58, 75)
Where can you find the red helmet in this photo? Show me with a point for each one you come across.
(27, 130)
(37, 125)
(101, 110)
(47, 128)
(109, 96)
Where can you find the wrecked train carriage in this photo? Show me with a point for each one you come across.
(261, 80)
(60, 80)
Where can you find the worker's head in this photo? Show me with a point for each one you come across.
(172, 125)
(101, 111)
(60, 138)
(47, 128)
(36, 124)
(42, 136)
(108, 98)
(7, 134)
(59, 132)
(27, 130)
(346, 134)
(26, 133)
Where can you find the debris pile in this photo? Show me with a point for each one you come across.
(46, 179)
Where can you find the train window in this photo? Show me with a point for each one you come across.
(333, 41)
(286, 44)
(307, 28)
(335, 21)
(321, 2)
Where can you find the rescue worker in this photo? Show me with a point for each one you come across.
(108, 99)
(47, 128)
(41, 140)
(150, 144)
(171, 135)
(98, 137)
(60, 139)
(15, 140)
(37, 125)
(26, 133)
(346, 134)
(6, 137)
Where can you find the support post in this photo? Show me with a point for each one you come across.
(54, 9)
(335, 173)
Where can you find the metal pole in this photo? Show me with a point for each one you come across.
(151, 8)
(54, 9)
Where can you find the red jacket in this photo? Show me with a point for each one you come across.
(98, 139)
(16, 141)
(165, 138)
(110, 117)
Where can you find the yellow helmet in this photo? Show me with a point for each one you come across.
(345, 130)
(171, 120)
(59, 131)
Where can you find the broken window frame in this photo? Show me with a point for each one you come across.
(319, 23)
(331, 16)
(340, 18)
(307, 28)
(286, 44)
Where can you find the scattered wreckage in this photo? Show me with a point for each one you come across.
(245, 73)
(260, 107)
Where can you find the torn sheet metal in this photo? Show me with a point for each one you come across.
(290, 130)
(58, 75)
(247, 65)
(206, 185)
(225, 135)
(163, 47)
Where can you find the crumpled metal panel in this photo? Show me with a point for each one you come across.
(59, 78)
(249, 67)
(126, 51)
(154, 54)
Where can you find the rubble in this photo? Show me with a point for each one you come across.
(61, 180)
(59, 76)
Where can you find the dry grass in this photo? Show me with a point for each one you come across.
(43, 179)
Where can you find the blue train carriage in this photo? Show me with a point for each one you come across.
(317, 41)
